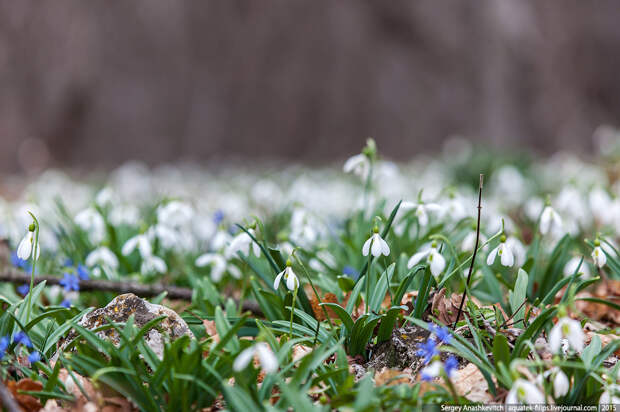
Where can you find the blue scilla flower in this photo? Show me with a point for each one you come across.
(21, 338)
(4, 345)
(218, 216)
(34, 357)
(428, 350)
(66, 303)
(443, 334)
(70, 282)
(68, 263)
(350, 271)
(450, 365)
(16, 261)
(23, 289)
(82, 272)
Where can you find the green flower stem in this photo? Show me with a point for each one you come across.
(368, 273)
(35, 249)
(316, 293)
(290, 335)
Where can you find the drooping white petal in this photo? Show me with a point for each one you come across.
(561, 384)
(266, 357)
(575, 335)
(507, 258)
(376, 245)
(422, 215)
(204, 260)
(545, 221)
(243, 359)
(524, 392)
(129, 246)
(437, 262)
(599, 257)
(385, 248)
(366, 247)
(417, 257)
(291, 279)
(276, 282)
(491, 257)
(234, 271)
(25, 247)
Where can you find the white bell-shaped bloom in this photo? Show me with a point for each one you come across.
(517, 249)
(572, 265)
(560, 381)
(469, 241)
(568, 329)
(243, 243)
(598, 256)
(92, 223)
(153, 264)
(524, 392)
(141, 242)
(505, 253)
(219, 266)
(26, 246)
(611, 396)
(375, 245)
(266, 358)
(359, 165)
(102, 256)
(550, 221)
(175, 214)
(423, 210)
(289, 276)
(433, 258)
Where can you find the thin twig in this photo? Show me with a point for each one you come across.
(473, 258)
(7, 399)
(173, 292)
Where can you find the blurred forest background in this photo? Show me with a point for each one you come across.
(95, 83)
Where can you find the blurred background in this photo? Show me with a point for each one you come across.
(91, 84)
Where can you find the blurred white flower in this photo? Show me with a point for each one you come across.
(524, 392)
(422, 210)
(141, 242)
(102, 256)
(265, 355)
(243, 243)
(375, 245)
(568, 329)
(433, 258)
(573, 263)
(359, 165)
(91, 222)
(219, 266)
(518, 250)
(469, 241)
(175, 214)
(561, 385)
(153, 264)
(611, 396)
(550, 221)
(598, 255)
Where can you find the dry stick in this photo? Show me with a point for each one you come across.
(173, 292)
(7, 399)
(473, 258)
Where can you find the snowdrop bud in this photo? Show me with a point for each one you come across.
(524, 392)
(568, 329)
(561, 384)
(598, 256)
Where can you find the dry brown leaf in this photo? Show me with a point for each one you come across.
(211, 329)
(27, 402)
(470, 383)
(446, 309)
(608, 289)
(319, 311)
(299, 351)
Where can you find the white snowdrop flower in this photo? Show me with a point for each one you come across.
(167, 236)
(26, 246)
(573, 263)
(121, 214)
(153, 264)
(102, 256)
(219, 266)
(524, 392)
(454, 209)
(91, 222)
(598, 255)
(220, 240)
(469, 241)
(568, 329)
(533, 207)
(375, 245)
(105, 197)
(141, 242)
(433, 258)
(289, 276)
(550, 221)
(422, 210)
(503, 250)
(560, 381)
(175, 214)
(266, 358)
(518, 250)
(243, 243)
(359, 165)
(610, 396)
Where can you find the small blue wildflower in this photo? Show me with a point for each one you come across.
(23, 289)
(428, 349)
(70, 282)
(34, 357)
(443, 334)
(16, 261)
(350, 271)
(21, 338)
(66, 303)
(4, 345)
(82, 272)
(68, 263)
(450, 365)
(218, 216)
